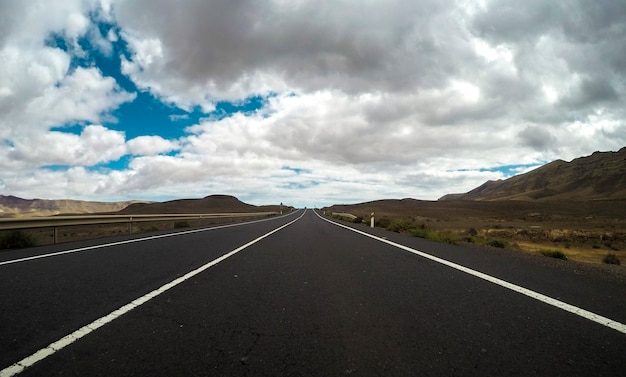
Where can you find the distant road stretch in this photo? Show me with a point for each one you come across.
(300, 295)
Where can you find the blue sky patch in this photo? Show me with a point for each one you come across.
(506, 170)
(510, 170)
(299, 185)
(146, 114)
(56, 167)
(119, 164)
(298, 171)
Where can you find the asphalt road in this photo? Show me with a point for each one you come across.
(310, 299)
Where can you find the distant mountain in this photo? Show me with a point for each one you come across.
(599, 176)
(12, 206)
(209, 204)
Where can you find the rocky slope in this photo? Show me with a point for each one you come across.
(209, 204)
(12, 206)
(600, 176)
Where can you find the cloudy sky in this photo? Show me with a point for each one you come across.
(303, 102)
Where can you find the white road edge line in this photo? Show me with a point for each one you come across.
(130, 241)
(503, 283)
(29, 361)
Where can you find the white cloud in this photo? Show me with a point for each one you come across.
(81, 96)
(148, 69)
(94, 145)
(150, 145)
(40, 91)
(387, 99)
(24, 77)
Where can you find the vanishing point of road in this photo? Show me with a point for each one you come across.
(299, 295)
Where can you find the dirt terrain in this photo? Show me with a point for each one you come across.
(583, 231)
(567, 210)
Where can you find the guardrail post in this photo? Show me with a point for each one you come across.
(54, 234)
(130, 225)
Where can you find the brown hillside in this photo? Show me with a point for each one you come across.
(209, 204)
(465, 213)
(600, 176)
(12, 206)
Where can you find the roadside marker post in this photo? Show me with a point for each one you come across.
(372, 221)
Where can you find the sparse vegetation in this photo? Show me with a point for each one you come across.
(501, 244)
(611, 258)
(403, 226)
(16, 239)
(586, 231)
(444, 236)
(423, 232)
(558, 254)
(181, 224)
(382, 222)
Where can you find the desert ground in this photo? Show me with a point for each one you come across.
(583, 231)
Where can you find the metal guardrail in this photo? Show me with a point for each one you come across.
(59, 221)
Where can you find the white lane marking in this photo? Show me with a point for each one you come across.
(615, 325)
(21, 365)
(128, 241)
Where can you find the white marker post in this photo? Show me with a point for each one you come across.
(372, 221)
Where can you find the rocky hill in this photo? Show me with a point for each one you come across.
(12, 206)
(600, 176)
(209, 204)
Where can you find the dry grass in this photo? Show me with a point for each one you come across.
(584, 231)
(580, 254)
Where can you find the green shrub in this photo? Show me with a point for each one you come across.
(446, 236)
(382, 222)
(469, 239)
(558, 254)
(16, 239)
(401, 226)
(432, 235)
(358, 220)
(421, 232)
(181, 224)
(611, 258)
(497, 243)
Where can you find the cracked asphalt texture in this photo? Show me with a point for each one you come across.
(311, 300)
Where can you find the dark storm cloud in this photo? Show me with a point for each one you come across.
(355, 47)
(537, 138)
(579, 21)
(513, 21)
(590, 93)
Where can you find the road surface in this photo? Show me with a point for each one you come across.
(301, 296)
